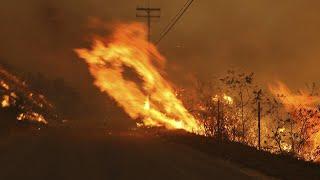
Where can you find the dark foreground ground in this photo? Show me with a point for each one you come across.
(96, 154)
(282, 166)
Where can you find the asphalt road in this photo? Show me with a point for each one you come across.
(88, 155)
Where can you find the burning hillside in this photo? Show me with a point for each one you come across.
(25, 103)
(228, 112)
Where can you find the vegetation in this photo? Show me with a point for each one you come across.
(228, 108)
(33, 99)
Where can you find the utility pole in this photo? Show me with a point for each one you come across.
(149, 14)
(258, 100)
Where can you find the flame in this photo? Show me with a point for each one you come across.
(147, 104)
(4, 85)
(5, 101)
(225, 98)
(228, 99)
(295, 103)
(293, 100)
(32, 116)
(282, 130)
(129, 48)
(15, 93)
(286, 147)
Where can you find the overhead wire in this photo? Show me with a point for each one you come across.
(174, 20)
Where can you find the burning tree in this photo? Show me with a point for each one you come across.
(275, 115)
(302, 124)
(241, 87)
(222, 107)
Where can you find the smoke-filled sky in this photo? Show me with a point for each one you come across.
(275, 39)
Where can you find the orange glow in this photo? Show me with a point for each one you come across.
(4, 85)
(154, 100)
(15, 93)
(32, 116)
(293, 100)
(298, 105)
(5, 101)
(225, 98)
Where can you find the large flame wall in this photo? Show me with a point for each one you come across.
(153, 101)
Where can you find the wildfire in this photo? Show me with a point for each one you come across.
(32, 116)
(4, 85)
(147, 104)
(15, 93)
(225, 98)
(153, 100)
(293, 100)
(228, 99)
(303, 108)
(5, 101)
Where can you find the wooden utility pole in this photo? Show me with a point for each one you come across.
(258, 100)
(148, 13)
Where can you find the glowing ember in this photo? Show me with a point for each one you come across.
(281, 130)
(228, 99)
(225, 98)
(154, 100)
(32, 116)
(286, 147)
(4, 85)
(5, 101)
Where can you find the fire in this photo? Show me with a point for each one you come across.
(4, 85)
(28, 104)
(32, 116)
(5, 101)
(293, 100)
(147, 104)
(153, 100)
(225, 98)
(303, 109)
(228, 99)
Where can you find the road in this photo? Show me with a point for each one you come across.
(91, 155)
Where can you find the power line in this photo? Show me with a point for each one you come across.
(175, 19)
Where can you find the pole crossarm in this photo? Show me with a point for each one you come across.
(146, 16)
(148, 9)
(149, 13)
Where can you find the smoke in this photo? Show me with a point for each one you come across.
(39, 36)
(275, 39)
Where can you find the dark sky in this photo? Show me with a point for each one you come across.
(275, 39)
